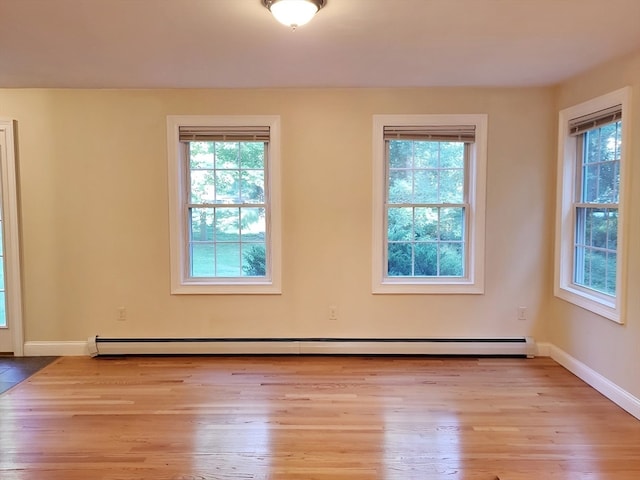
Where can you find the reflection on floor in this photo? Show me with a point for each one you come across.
(14, 370)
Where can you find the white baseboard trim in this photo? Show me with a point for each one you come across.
(543, 349)
(613, 392)
(55, 349)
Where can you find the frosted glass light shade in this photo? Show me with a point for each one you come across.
(294, 13)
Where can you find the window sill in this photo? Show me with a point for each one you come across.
(412, 287)
(239, 288)
(594, 303)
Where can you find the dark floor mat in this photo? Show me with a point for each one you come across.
(14, 370)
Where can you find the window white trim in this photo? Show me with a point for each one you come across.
(564, 286)
(180, 284)
(473, 282)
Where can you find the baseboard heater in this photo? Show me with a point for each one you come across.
(517, 346)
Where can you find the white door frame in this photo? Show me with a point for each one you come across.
(13, 285)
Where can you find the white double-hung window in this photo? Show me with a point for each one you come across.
(224, 204)
(590, 261)
(429, 196)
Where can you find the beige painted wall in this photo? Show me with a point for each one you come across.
(610, 349)
(93, 184)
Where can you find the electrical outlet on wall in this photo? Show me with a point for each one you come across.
(522, 313)
(122, 314)
(333, 312)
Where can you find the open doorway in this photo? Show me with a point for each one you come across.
(11, 334)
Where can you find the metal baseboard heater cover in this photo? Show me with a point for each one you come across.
(515, 346)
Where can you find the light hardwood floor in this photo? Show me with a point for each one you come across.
(312, 418)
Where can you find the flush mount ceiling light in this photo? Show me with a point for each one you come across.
(294, 13)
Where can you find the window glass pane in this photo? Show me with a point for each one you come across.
(592, 146)
(253, 226)
(227, 155)
(237, 177)
(426, 154)
(202, 186)
(583, 226)
(399, 259)
(601, 164)
(3, 309)
(252, 186)
(202, 259)
(227, 225)
(426, 224)
(608, 142)
(451, 259)
(608, 183)
(400, 154)
(426, 172)
(451, 154)
(202, 224)
(452, 224)
(598, 220)
(252, 155)
(2, 273)
(426, 186)
(597, 228)
(235, 174)
(595, 255)
(598, 268)
(452, 186)
(426, 259)
(254, 261)
(582, 267)
(615, 198)
(228, 260)
(400, 186)
(3, 317)
(612, 267)
(590, 183)
(201, 154)
(227, 186)
(612, 230)
(399, 224)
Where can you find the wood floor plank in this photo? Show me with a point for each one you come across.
(180, 418)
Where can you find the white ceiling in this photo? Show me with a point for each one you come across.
(350, 43)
